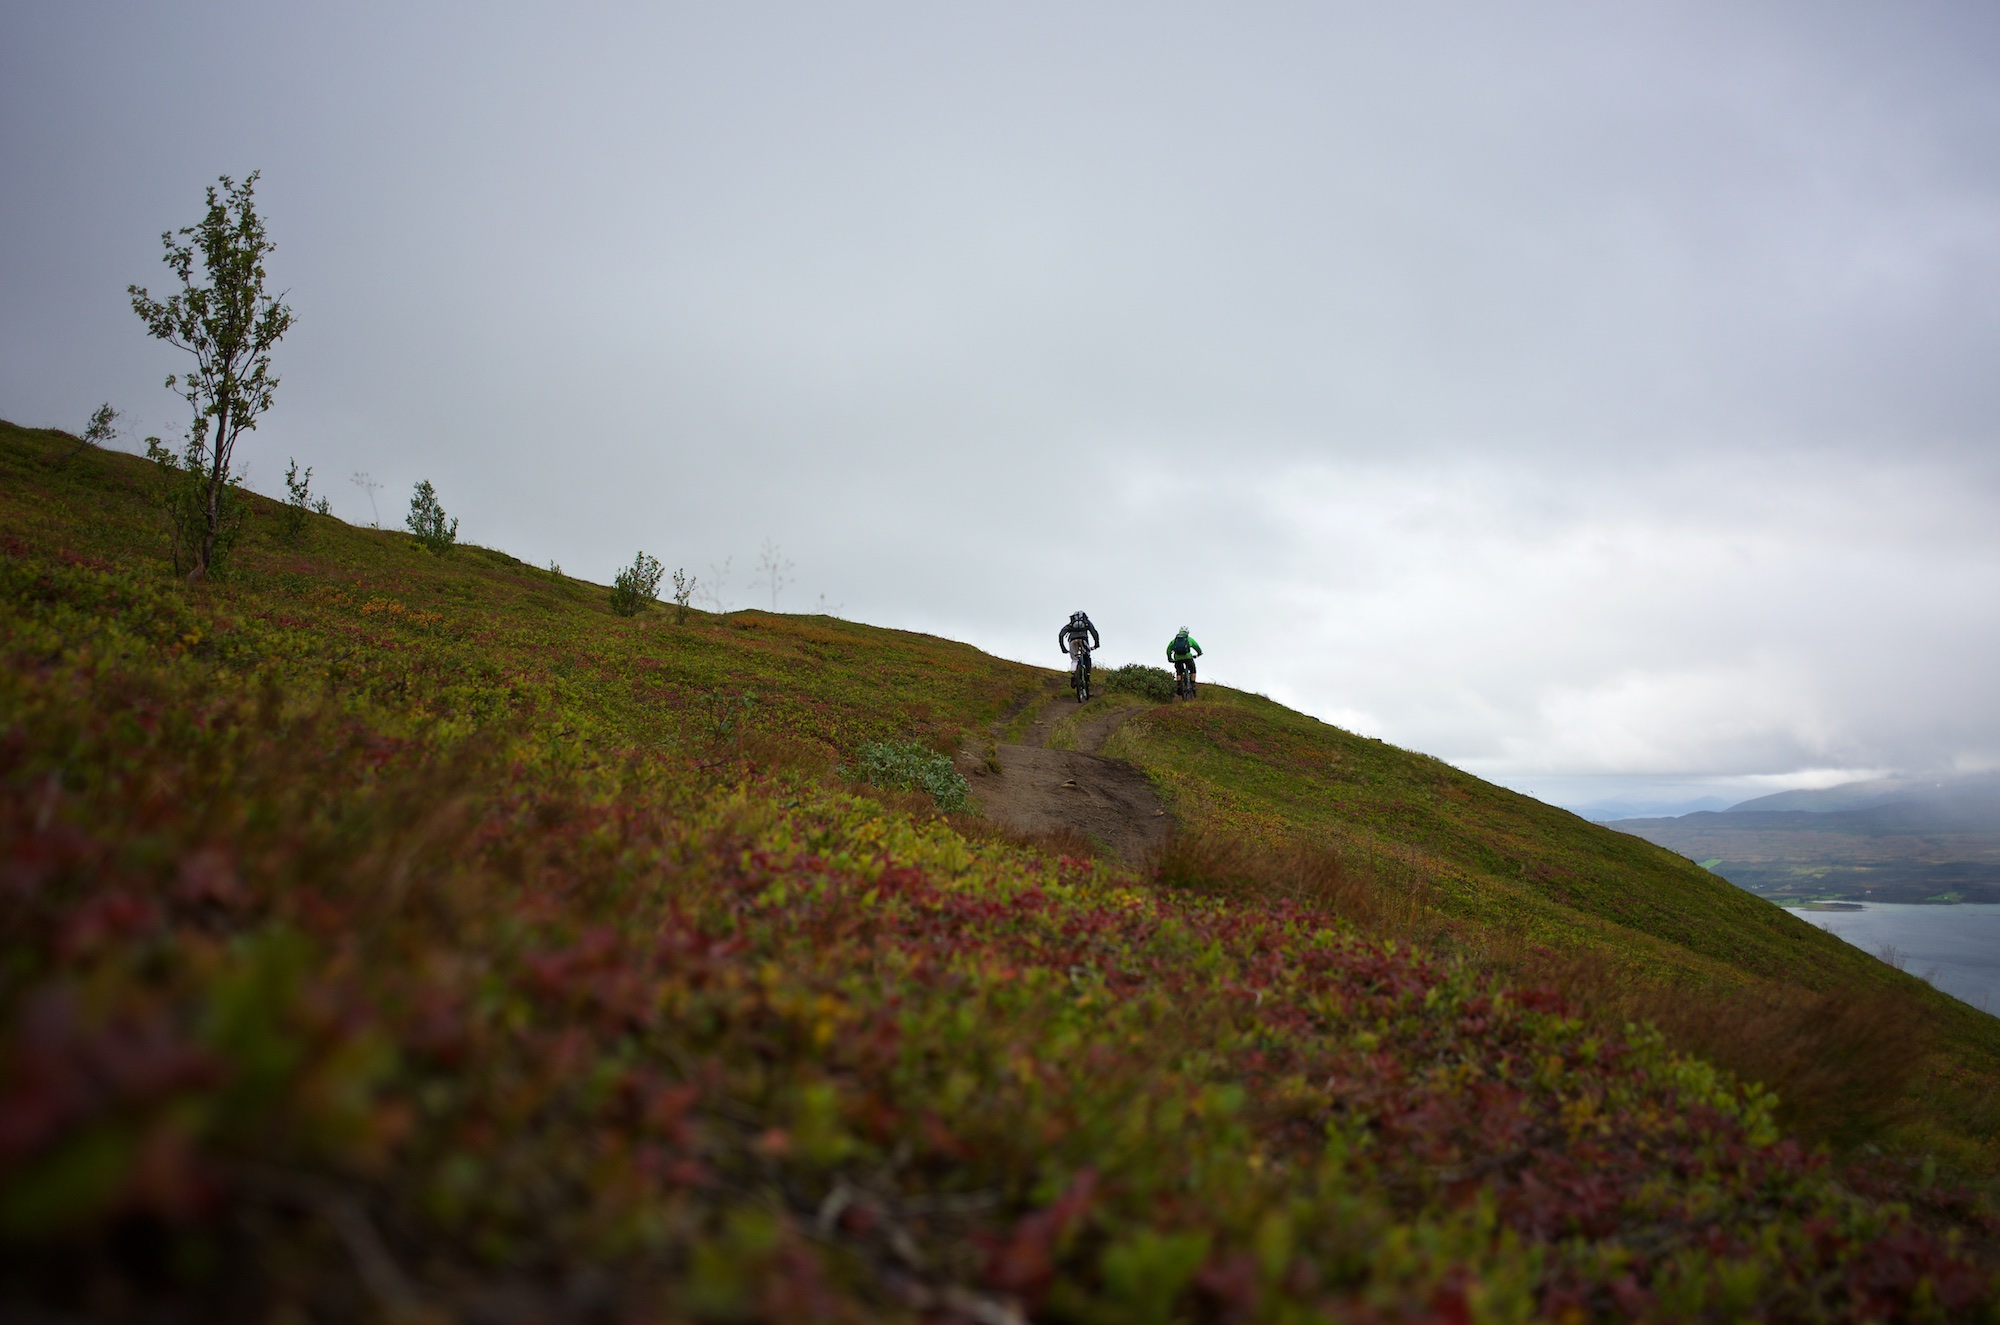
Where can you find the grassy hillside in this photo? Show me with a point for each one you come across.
(1537, 890)
(385, 936)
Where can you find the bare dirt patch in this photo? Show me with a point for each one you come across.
(1043, 792)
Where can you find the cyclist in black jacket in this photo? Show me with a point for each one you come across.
(1077, 638)
(1078, 626)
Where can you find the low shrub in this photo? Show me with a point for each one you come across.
(637, 585)
(1305, 873)
(909, 766)
(434, 529)
(685, 589)
(1154, 683)
(1839, 1063)
(295, 516)
(100, 432)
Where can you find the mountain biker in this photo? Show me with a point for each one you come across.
(1182, 650)
(1071, 640)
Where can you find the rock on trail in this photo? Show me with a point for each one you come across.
(1039, 790)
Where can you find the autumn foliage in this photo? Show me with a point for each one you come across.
(335, 1005)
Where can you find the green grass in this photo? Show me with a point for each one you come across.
(1064, 724)
(1495, 865)
(478, 638)
(385, 936)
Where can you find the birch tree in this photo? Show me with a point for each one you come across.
(224, 317)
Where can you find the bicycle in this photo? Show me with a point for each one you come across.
(1184, 678)
(1079, 672)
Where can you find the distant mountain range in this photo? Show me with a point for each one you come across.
(1605, 812)
(1968, 798)
(1906, 839)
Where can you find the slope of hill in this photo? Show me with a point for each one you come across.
(1628, 923)
(388, 937)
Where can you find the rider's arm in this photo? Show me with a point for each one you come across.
(1197, 645)
(1096, 640)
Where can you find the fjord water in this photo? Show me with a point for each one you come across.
(1957, 948)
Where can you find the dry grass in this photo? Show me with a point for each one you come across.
(1841, 1063)
(1311, 874)
(1049, 843)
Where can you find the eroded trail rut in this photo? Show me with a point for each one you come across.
(1039, 790)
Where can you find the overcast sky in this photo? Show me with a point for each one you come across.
(1601, 397)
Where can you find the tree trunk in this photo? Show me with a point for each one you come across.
(212, 510)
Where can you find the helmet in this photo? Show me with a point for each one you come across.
(1076, 615)
(1184, 630)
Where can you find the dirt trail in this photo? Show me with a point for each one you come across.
(1039, 790)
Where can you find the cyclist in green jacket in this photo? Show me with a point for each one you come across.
(1182, 650)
